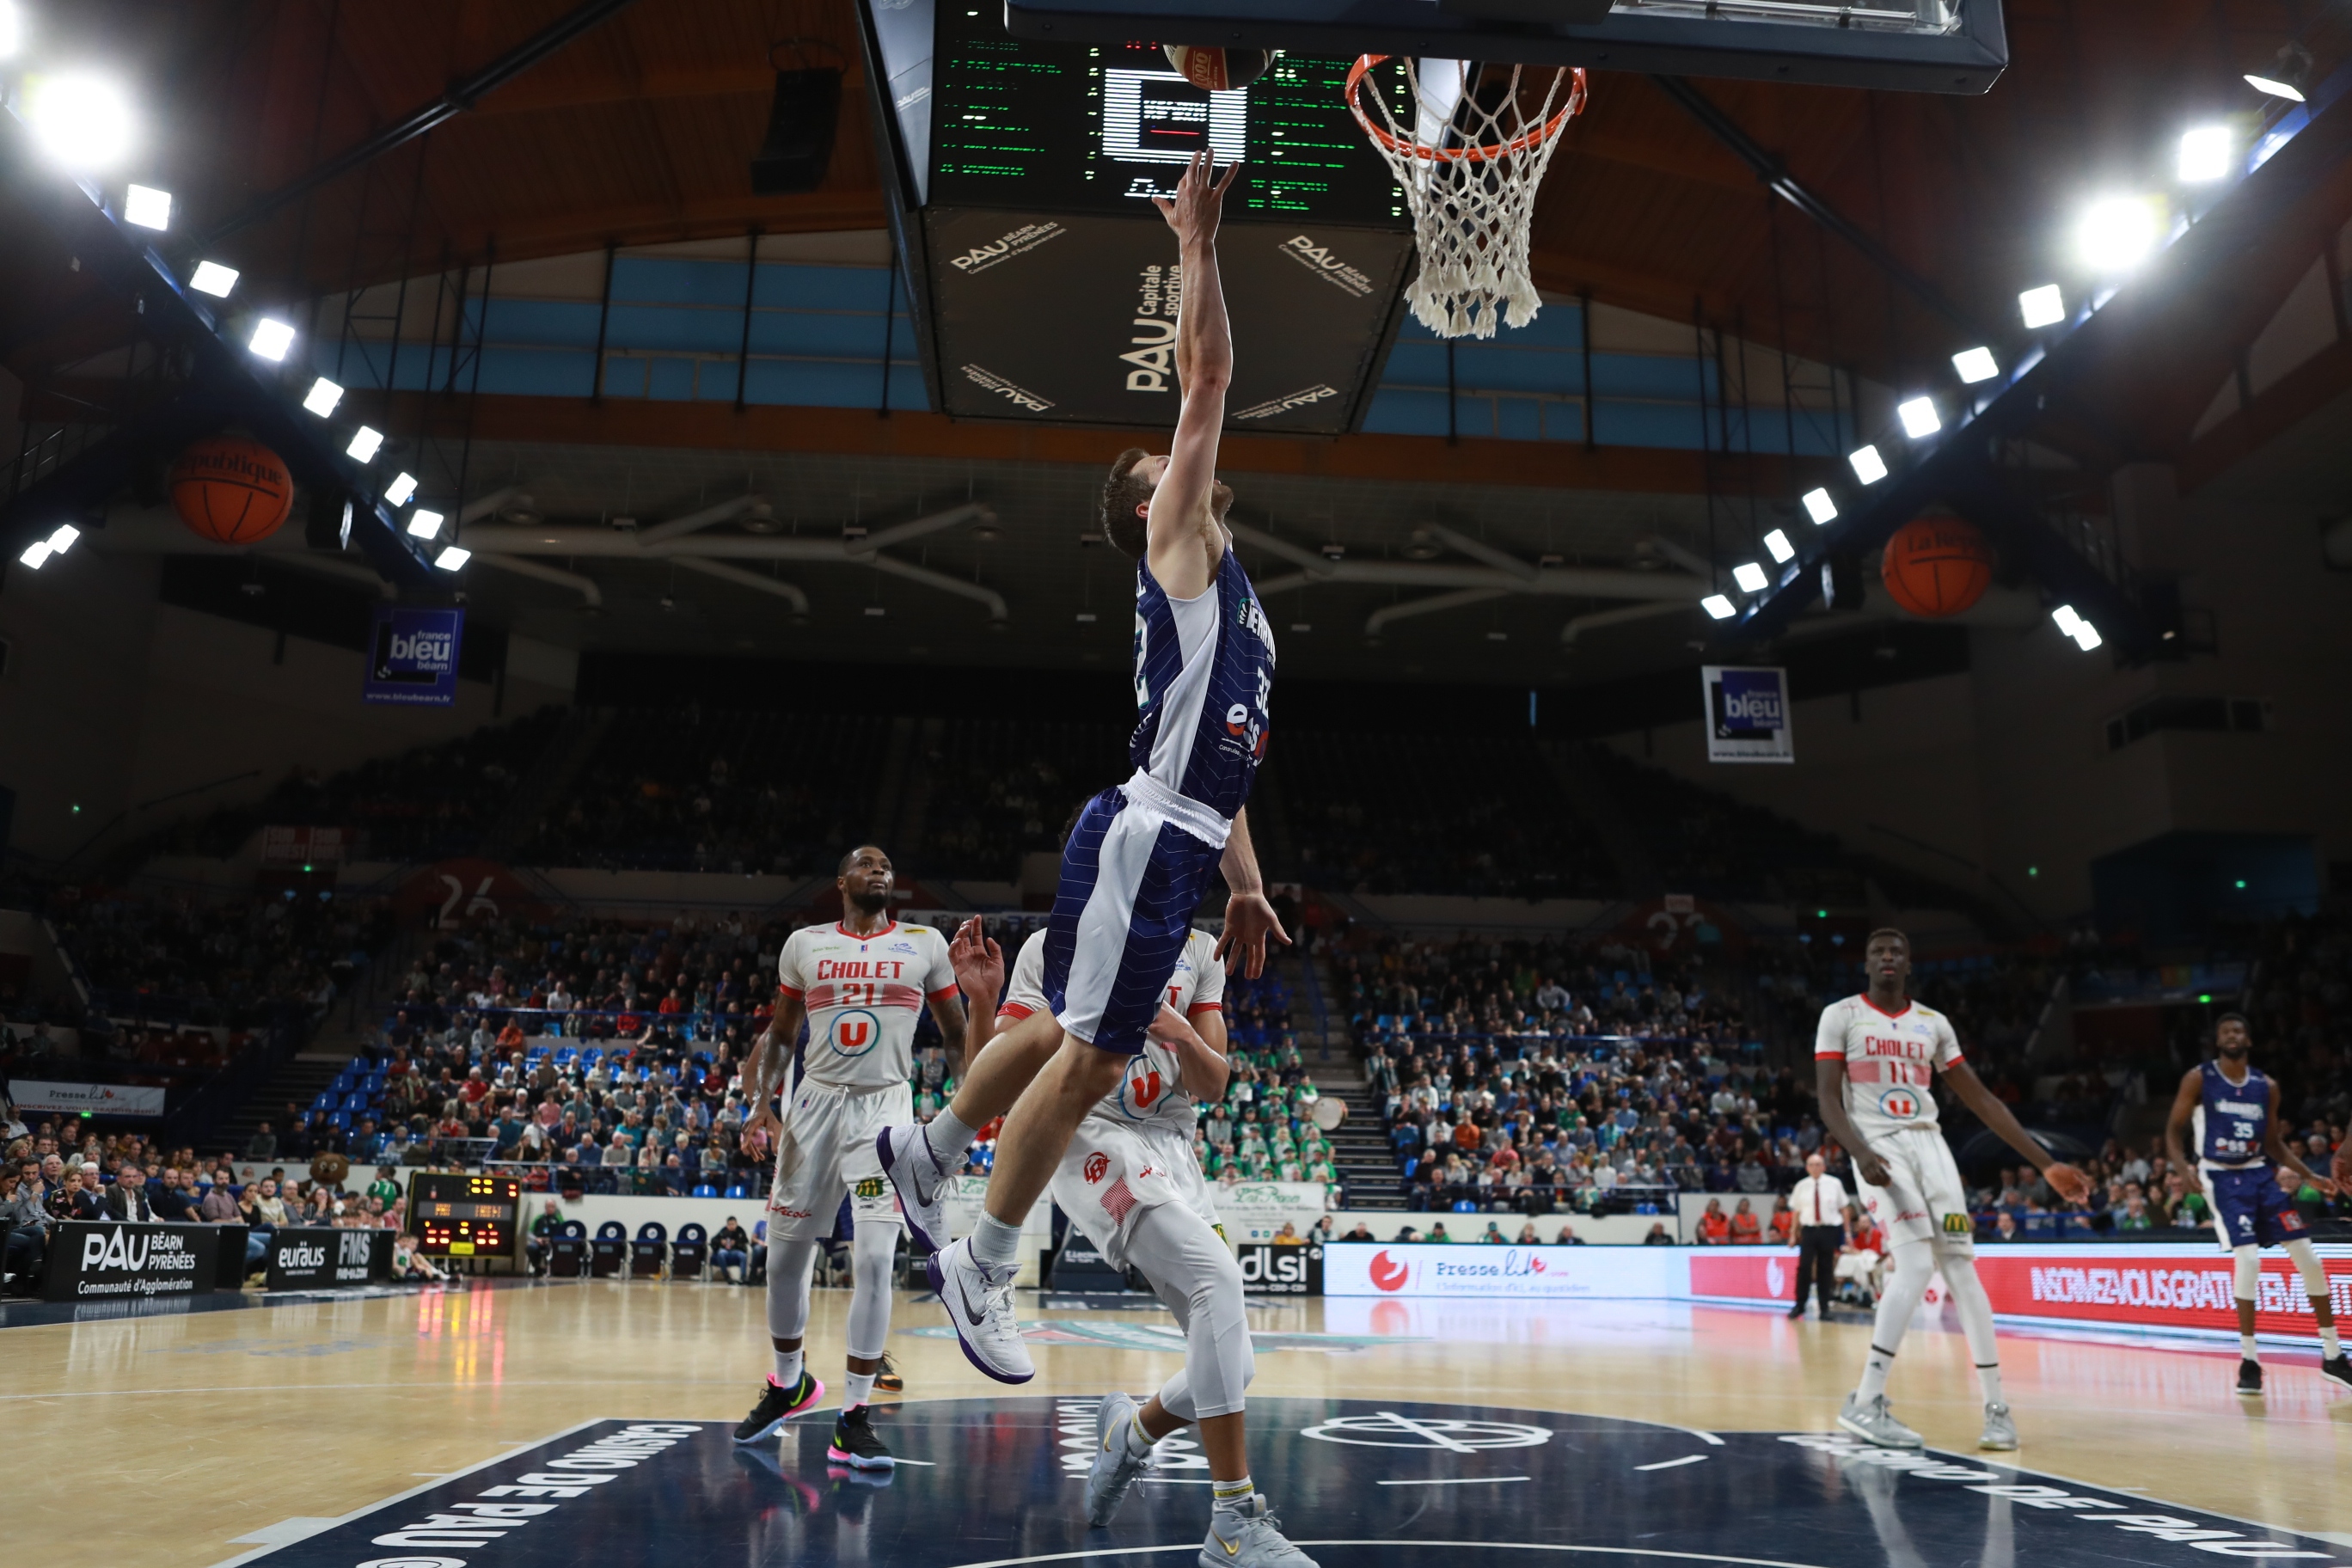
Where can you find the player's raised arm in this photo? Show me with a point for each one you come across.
(1183, 537)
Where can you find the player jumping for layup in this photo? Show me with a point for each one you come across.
(1877, 1058)
(1140, 856)
(2243, 1157)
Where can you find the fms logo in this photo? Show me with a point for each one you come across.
(1390, 1273)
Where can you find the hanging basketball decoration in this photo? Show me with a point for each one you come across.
(1217, 70)
(1938, 566)
(231, 490)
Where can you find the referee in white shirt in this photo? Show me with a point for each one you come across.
(1818, 1204)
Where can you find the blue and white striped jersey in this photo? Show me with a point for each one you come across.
(1203, 687)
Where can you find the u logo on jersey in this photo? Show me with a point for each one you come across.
(854, 1032)
(1140, 1089)
(1899, 1104)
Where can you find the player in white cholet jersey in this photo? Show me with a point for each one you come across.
(1875, 1058)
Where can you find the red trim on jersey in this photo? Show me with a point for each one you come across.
(1197, 1008)
(1863, 997)
(1017, 1011)
(943, 991)
(1829, 1056)
(870, 936)
(784, 990)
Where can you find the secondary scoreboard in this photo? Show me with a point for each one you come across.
(456, 1216)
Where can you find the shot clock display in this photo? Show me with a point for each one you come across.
(465, 1216)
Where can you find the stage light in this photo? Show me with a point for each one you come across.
(1868, 466)
(12, 28)
(2274, 87)
(452, 558)
(403, 486)
(1717, 606)
(63, 539)
(2043, 307)
(1778, 543)
(322, 397)
(1749, 576)
(2205, 154)
(1819, 507)
(425, 524)
(271, 339)
(1919, 418)
(2116, 233)
(2066, 618)
(1975, 365)
(147, 207)
(212, 277)
(82, 122)
(2087, 636)
(365, 445)
(35, 553)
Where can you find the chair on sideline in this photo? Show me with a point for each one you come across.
(650, 1251)
(689, 1255)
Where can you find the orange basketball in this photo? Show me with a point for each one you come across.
(1938, 566)
(231, 492)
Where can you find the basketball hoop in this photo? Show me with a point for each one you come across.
(1469, 170)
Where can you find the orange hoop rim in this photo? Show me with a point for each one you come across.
(1533, 136)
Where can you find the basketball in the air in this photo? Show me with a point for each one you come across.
(1938, 566)
(231, 490)
(1218, 70)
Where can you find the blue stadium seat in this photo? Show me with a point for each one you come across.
(737, 1190)
(649, 1251)
(610, 1251)
(690, 1256)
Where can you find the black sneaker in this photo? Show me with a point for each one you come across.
(2250, 1376)
(2339, 1367)
(777, 1405)
(854, 1444)
(888, 1379)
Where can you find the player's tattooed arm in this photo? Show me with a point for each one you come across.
(2064, 1180)
(763, 1072)
(2176, 1125)
(1250, 919)
(2288, 1162)
(1829, 1081)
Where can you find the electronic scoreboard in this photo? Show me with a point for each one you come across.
(456, 1216)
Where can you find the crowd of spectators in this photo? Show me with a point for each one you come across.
(175, 957)
(998, 792)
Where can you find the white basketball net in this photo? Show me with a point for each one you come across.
(1469, 169)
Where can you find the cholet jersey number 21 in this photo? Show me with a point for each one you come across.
(865, 996)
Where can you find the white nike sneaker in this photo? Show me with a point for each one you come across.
(1247, 1535)
(1872, 1421)
(1999, 1430)
(978, 1300)
(1117, 1464)
(914, 1169)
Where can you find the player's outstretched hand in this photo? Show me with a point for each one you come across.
(763, 1129)
(2068, 1182)
(1200, 198)
(2291, 1184)
(1249, 921)
(978, 962)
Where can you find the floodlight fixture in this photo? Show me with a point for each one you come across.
(1868, 466)
(403, 486)
(63, 539)
(271, 339)
(2205, 154)
(364, 445)
(2117, 234)
(1974, 365)
(452, 558)
(1749, 576)
(212, 277)
(425, 524)
(2043, 307)
(2274, 87)
(12, 28)
(82, 122)
(35, 553)
(2066, 618)
(322, 397)
(1919, 418)
(2087, 636)
(1778, 543)
(1820, 507)
(147, 207)
(1717, 606)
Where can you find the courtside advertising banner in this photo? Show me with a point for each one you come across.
(1256, 1210)
(412, 656)
(95, 1099)
(2176, 1290)
(1747, 714)
(1518, 1273)
(101, 1261)
(1284, 1271)
(320, 1258)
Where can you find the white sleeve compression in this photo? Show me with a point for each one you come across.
(1191, 1270)
(872, 1250)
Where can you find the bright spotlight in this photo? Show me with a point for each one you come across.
(1778, 543)
(1919, 418)
(1868, 466)
(322, 397)
(365, 445)
(451, 559)
(1975, 365)
(147, 207)
(1749, 576)
(271, 337)
(12, 28)
(1819, 507)
(2274, 87)
(212, 277)
(81, 121)
(2116, 233)
(1716, 605)
(35, 553)
(2087, 636)
(2066, 618)
(403, 486)
(63, 539)
(2043, 307)
(2205, 154)
(425, 524)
